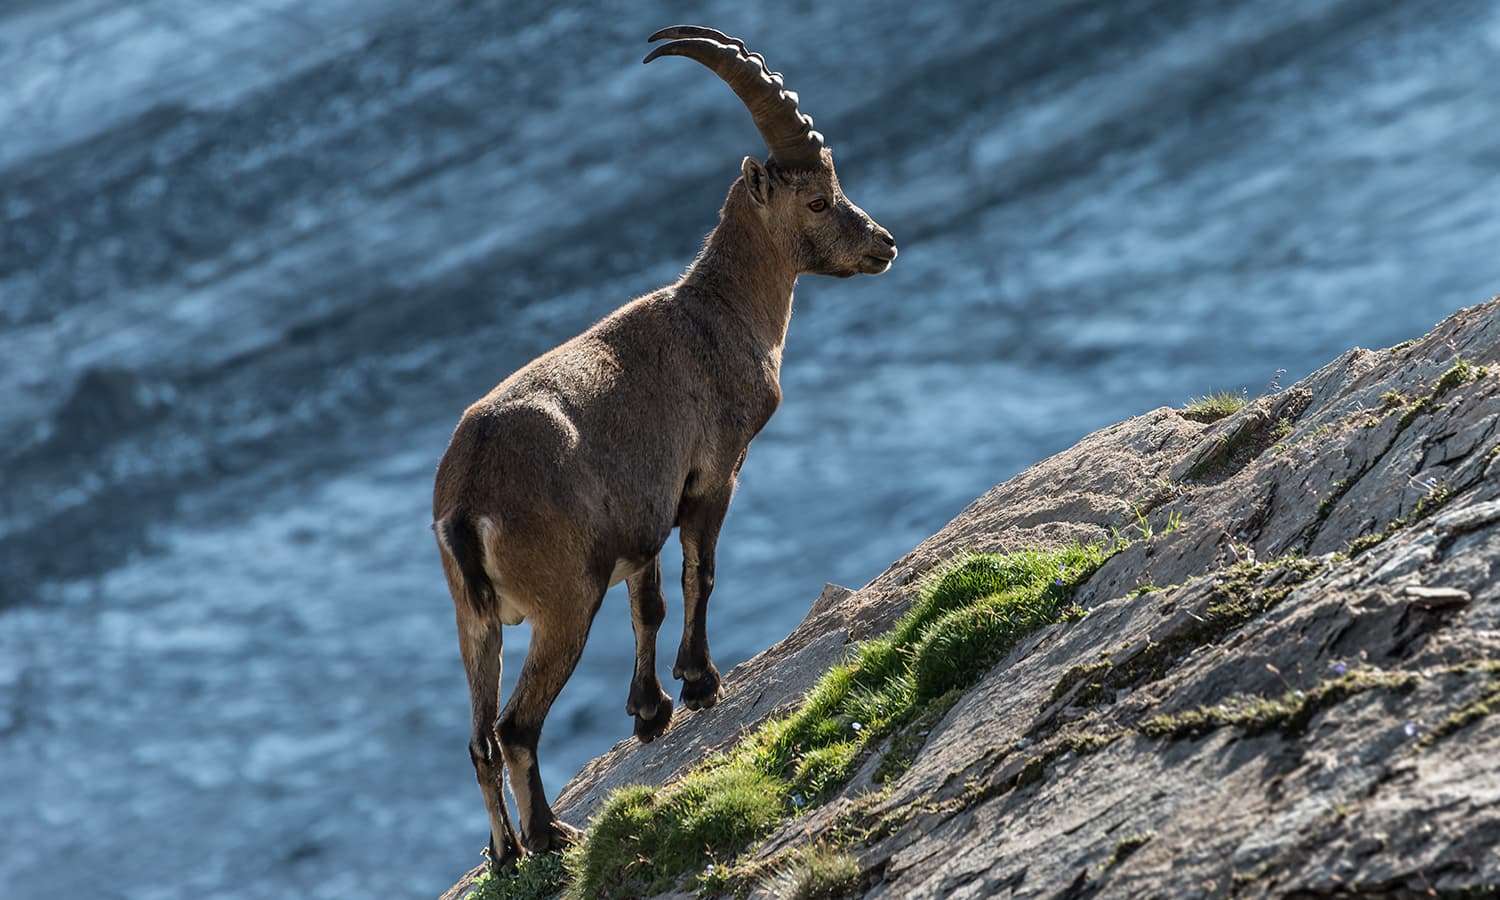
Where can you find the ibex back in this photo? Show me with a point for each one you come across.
(570, 476)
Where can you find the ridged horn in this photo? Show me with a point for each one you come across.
(788, 134)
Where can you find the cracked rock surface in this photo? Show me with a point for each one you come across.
(1282, 687)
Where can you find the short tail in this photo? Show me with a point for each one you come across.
(460, 540)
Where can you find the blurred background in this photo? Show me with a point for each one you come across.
(256, 256)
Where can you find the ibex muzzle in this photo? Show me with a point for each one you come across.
(571, 474)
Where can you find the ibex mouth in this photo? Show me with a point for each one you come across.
(874, 265)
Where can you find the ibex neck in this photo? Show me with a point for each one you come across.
(743, 265)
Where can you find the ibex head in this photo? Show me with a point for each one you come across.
(796, 191)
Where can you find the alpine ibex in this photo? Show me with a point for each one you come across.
(571, 474)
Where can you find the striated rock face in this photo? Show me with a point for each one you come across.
(1282, 686)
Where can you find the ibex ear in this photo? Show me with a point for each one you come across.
(757, 180)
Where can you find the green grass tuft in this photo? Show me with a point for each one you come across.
(1243, 591)
(818, 872)
(909, 740)
(1336, 492)
(1214, 406)
(1462, 372)
(644, 839)
(1486, 703)
(1093, 677)
(1128, 845)
(535, 877)
(1437, 494)
(1290, 713)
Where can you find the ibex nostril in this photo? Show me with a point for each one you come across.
(885, 237)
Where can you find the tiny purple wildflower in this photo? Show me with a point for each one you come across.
(1411, 729)
(856, 726)
(1340, 668)
(1057, 581)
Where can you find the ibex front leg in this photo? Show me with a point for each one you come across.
(699, 522)
(651, 706)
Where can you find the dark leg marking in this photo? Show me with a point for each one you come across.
(651, 706)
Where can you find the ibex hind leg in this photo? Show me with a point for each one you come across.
(651, 706)
(479, 643)
(556, 644)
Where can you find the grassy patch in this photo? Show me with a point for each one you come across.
(1366, 541)
(1244, 591)
(1214, 406)
(1128, 845)
(1093, 678)
(909, 740)
(971, 613)
(1416, 408)
(1486, 703)
(1251, 434)
(535, 877)
(1437, 494)
(1289, 713)
(1143, 530)
(821, 871)
(654, 836)
(1462, 372)
(1033, 770)
(1336, 492)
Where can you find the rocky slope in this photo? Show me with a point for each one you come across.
(1282, 686)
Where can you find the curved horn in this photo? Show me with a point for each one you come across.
(787, 132)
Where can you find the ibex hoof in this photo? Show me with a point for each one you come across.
(652, 708)
(645, 699)
(555, 835)
(504, 859)
(702, 692)
(652, 725)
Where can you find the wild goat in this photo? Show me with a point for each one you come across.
(571, 474)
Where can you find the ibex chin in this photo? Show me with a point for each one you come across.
(571, 474)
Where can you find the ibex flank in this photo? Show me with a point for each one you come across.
(571, 474)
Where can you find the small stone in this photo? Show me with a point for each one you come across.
(1436, 597)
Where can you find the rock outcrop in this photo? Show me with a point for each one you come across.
(1281, 687)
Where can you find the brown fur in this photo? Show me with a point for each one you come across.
(577, 467)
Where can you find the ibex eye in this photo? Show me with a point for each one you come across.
(818, 205)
